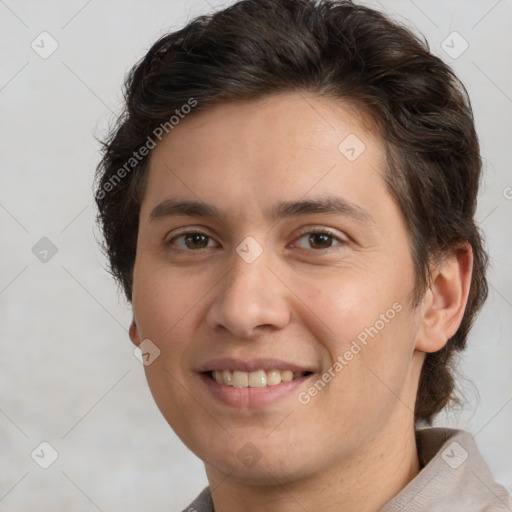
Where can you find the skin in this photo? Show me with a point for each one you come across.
(296, 302)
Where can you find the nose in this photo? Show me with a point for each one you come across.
(250, 300)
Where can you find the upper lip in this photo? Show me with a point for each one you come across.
(251, 365)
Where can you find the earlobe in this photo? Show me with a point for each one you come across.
(445, 301)
(134, 333)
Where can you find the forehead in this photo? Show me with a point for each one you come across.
(276, 148)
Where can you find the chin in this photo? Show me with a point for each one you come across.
(258, 460)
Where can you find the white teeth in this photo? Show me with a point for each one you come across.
(273, 377)
(287, 376)
(240, 379)
(257, 379)
(226, 378)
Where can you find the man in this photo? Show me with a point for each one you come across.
(288, 203)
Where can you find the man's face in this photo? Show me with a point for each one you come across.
(259, 282)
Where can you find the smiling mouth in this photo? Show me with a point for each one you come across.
(256, 379)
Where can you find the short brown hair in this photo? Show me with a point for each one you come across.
(338, 50)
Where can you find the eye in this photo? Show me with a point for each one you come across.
(318, 239)
(192, 240)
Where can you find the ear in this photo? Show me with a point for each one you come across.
(444, 302)
(134, 333)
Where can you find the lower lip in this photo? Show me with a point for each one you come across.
(247, 398)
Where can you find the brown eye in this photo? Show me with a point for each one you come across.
(318, 240)
(192, 241)
(196, 240)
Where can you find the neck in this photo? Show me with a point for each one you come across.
(365, 483)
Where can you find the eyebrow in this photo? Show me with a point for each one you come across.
(286, 209)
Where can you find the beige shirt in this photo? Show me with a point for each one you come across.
(454, 478)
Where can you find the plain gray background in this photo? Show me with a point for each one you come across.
(68, 373)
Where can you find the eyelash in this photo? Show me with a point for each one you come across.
(323, 231)
(308, 231)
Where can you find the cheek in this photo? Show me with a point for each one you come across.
(164, 305)
(371, 333)
(163, 299)
(347, 302)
